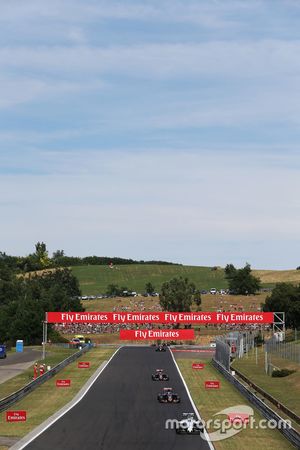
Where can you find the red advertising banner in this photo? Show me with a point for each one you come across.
(161, 317)
(63, 383)
(150, 335)
(197, 366)
(83, 365)
(16, 416)
(212, 384)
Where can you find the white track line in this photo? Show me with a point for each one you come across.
(52, 419)
(211, 446)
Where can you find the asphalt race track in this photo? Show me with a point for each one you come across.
(121, 410)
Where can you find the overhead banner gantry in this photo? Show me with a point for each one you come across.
(162, 317)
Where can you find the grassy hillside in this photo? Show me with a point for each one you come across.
(278, 276)
(95, 279)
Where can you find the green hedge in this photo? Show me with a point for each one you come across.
(282, 373)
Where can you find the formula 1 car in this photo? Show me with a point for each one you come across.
(161, 348)
(168, 396)
(189, 424)
(159, 375)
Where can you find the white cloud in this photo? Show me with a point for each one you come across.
(262, 77)
(69, 10)
(257, 105)
(215, 64)
(147, 196)
(209, 13)
(17, 90)
(186, 207)
(13, 92)
(235, 59)
(77, 36)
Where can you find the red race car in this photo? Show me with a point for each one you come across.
(168, 396)
(159, 375)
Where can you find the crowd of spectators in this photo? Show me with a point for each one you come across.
(139, 305)
(97, 328)
(101, 328)
(239, 327)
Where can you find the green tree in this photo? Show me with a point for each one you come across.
(41, 254)
(197, 299)
(230, 271)
(285, 297)
(58, 254)
(9, 284)
(24, 301)
(58, 257)
(113, 290)
(63, 278)
(27, 324)
(241, 281)
(177, 295)
(149, 288)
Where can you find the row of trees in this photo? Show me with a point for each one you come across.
(115, 290)
(40, 259)
(24, 301)
(179, 294)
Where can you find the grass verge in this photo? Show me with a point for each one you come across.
(210, 402)
(54, 355)
(286, 390)
(47, 399)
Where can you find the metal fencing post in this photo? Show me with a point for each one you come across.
(45, 323)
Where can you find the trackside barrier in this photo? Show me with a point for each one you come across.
(193, 347)
(223, 353)
(21, 393)
(285, 350)
(120, 345)
(269, 397)
(289, 432)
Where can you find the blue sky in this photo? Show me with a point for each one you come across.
(153, 130)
